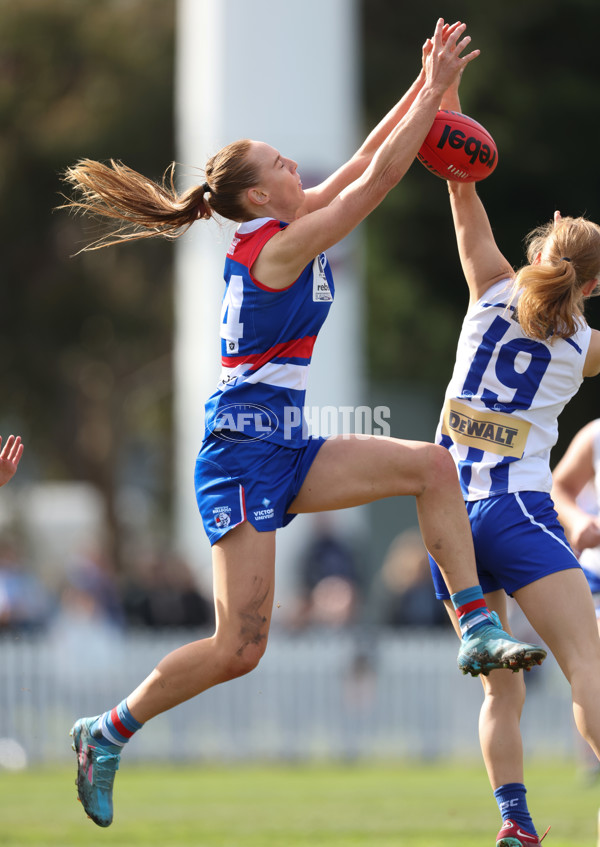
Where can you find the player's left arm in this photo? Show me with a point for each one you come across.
(482, 262)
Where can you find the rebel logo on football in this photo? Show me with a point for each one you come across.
(473, 147)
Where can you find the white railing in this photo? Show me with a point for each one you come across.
(361, 694)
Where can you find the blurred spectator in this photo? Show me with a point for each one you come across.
(90, 573)
(87, 625)
(329, 589)
(25, 603)
(163, 593)
(402, 593)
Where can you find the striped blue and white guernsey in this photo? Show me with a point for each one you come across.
(499, 419)
(267, 340)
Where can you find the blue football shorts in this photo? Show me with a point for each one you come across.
(249, 479)
(517, 538)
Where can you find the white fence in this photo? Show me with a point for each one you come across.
(363, 694)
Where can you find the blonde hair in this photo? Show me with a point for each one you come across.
(562, 256)
(146, 209)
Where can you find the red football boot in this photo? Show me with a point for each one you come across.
(511, 835)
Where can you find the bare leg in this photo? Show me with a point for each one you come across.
(346, 472)
(350, 471)
(244, 564)
(500, 716)
(243, 576)
(561, 609)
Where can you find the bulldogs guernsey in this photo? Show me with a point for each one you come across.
(267, 339)
(504, 398)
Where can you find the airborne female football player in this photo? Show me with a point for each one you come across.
(279, 290)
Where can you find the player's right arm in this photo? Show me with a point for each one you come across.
(482, 262)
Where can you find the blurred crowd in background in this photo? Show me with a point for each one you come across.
(161, 591)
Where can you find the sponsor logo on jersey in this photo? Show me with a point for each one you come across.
(491, 431)
(321, 290)
(244, 421)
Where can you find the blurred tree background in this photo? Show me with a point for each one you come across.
(85, 342)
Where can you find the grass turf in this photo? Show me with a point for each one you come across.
(380, 805)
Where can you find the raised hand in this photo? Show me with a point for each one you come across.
(442, 58)
(10, 457)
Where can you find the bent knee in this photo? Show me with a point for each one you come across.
(440, 469)
(239, 661)
(504, 688)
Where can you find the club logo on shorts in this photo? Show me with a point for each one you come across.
(222, 516)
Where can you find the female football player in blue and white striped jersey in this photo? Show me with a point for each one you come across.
(524, 350)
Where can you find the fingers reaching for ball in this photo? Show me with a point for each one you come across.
(444, 61)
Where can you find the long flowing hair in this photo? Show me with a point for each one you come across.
(144, 208)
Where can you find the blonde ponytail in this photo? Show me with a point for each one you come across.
(562, 256)
(144, 208)
(147, 209)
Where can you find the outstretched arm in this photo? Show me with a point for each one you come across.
(574, 471)
(482, 262)
(289, 251)
(10, 458)
(322, 194)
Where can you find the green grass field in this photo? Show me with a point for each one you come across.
(294, 806)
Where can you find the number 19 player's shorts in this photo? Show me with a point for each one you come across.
(249, 479)
(517, 538)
